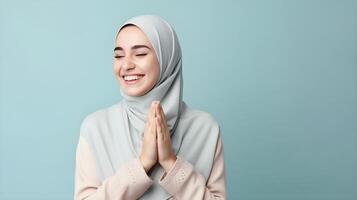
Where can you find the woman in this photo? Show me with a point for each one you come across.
(150, 145)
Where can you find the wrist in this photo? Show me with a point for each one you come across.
(146, 164)
(168, 163)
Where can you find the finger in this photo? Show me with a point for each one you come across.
(163, 122)
(152, 109)
(161, 110)
(164, 127)
(159, 139)
(157, 109)
(159, 129)
(154, 112)
(159, 122)
(154, 127)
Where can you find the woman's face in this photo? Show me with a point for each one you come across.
(135, 63)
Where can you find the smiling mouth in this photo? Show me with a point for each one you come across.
(132, 79)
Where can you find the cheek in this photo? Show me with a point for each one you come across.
(156, 74)
(156, 70)
(153, 66)
(153, 71)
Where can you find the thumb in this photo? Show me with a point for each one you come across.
(159, 133)
(154, 127)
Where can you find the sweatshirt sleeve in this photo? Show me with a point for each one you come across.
(184, 182)
(129, 182)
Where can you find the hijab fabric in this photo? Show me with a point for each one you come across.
(115, 134)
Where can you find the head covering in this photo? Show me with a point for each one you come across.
(168, 89)
(114, 134)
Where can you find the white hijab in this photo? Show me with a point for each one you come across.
(115, 133)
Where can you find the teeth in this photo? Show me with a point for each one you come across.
(129, 78)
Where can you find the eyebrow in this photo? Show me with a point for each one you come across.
(133, 47)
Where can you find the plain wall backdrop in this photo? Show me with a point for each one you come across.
(280, 76)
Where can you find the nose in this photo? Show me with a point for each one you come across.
(127, 64)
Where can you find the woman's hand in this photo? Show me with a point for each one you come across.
(149, 152)
(166, 155)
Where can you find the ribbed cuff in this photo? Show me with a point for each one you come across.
(175, 178)
(137, 175)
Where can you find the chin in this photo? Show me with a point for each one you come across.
(134, 93)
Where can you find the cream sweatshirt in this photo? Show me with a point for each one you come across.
(131, 181)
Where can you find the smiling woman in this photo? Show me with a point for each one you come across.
(150, 145)
(135, 65)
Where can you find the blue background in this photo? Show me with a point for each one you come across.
(279, 76)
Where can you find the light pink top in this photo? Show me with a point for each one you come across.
(131, 181)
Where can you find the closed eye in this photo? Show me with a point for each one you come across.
(143, 54)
